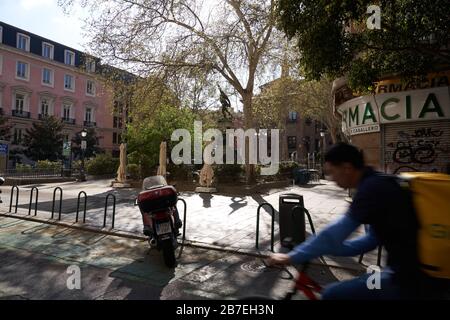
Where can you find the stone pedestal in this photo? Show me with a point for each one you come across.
(205, 190)
(116, 184)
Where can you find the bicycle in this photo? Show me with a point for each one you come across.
(303, 283)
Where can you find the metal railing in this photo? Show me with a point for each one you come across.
(31, 173)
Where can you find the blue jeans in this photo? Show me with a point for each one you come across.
(357, 289)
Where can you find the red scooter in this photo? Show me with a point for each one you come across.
(157, 203)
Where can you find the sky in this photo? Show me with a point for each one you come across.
(46, 19)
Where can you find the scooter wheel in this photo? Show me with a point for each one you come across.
(168, 251)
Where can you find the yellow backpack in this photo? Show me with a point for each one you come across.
(431, 198)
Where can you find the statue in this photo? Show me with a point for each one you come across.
(121, 180)
(206, 177)
(226, 105)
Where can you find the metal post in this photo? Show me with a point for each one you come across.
(303, 209)
(184, 218)
(36, 201)
(11, 199)
(272, 225)
(106, 208)
(78, 206)
(60, 202)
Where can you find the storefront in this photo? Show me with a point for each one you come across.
(403, 126)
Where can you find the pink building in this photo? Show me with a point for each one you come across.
(40, 77)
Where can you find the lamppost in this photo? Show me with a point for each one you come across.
(83, 149)
(322, 150)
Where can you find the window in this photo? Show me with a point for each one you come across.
(20, 102)
(47, 50)
(114, 137)
(23, 42)
(293, 116)
(66, 111)
(1, 34)
(22, 70)
(45, 104)
(47, 76)
(90, 65)
(117, 122)
(88, 115)
(69, 57)
(17, 136)
(69, 83)
(90, 87)
(292, 142)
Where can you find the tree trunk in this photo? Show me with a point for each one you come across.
(250, 169)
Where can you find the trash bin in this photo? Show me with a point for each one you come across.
(301, 176)
(292, 224)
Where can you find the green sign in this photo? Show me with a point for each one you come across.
(66, 149)
(364, 114)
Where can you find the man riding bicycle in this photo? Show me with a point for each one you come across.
(387, 210)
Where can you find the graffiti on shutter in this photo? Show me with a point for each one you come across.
(420, 146)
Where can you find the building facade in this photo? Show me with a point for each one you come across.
(402, 126)
(39, 77)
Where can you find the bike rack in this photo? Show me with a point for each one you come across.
(11, 199)
(272, 226)
(184, 218)
(106, 209)
(380, 250)
(31, 200)
(60, 202)
(78, 206)
(313, 230)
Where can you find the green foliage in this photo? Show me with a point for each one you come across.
(23, 167)
(102, 164)
(133, 171)
(5, 128)
(44, 140)
(413, 39)
(144, 137)
(229, 171)
(48, 165)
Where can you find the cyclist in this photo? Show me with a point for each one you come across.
(386, 210)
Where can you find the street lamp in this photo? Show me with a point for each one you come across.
(83, 149)
(322, 149)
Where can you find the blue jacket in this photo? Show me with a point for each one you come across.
(333, 241)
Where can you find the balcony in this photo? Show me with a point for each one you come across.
(42, 116)
(90, 124)
(68, 120)
(21, 114)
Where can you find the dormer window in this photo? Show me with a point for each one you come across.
(23, 42)
(69, 57)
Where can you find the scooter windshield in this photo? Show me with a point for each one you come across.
(154, 182)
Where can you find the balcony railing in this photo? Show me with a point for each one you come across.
(90, 124)
(42, 116)
(68, 120)
(21, 114)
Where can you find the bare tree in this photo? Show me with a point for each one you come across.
(232, 40)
